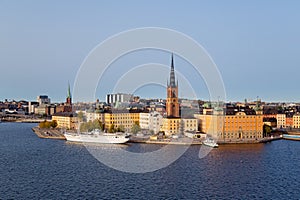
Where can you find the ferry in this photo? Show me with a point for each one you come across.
(291, 137)
(210, 142)
(96, 136)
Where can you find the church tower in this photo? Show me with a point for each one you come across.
(69, 96)
(172, 105)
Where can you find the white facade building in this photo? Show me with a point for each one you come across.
(119, 97)
(151, 121)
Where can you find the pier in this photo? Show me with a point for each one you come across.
(48, 133)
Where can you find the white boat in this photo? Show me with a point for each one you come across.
(97, 137)
(210, 142)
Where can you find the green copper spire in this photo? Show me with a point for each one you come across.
(69, 91)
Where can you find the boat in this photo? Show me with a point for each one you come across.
(210, 142)
(96, 136)
(291, 137)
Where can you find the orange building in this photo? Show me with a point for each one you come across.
(239, 124)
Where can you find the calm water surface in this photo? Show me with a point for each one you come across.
(36, 168)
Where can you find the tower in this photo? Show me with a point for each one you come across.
(69, 96)
(172, 105)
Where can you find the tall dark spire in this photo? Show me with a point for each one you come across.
(172, 74)
(69, 91)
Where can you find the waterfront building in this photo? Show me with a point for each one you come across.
(289, 122)
(239, 123)
(172, 126)
(151, 121)
(65, 120)
(296, 120)
(281, 120)
(121, 118)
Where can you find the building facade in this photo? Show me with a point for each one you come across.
(66, 120)
(124, 118)
(239, 123)
(119, 97)
(281, 120)
(151, 121)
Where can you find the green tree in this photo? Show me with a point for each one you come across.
(80, 116)
(121, 128)
(135, 128)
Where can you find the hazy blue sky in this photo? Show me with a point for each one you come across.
(255, 44)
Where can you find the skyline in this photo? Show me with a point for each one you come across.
(254, 44)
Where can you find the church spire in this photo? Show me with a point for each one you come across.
(172, 74)
(69, 91)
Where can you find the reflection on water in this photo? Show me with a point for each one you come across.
(34, 168)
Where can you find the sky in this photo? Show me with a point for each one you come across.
(255, 44)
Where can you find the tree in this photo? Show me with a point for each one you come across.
(53, 123)
(121, 128)
(45, 124)
(135, 128)
(112, 129)
(267, 130)
(80, 116)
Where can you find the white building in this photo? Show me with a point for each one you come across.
(43, 99)
(91, 115)
(119, 97)
(151, 121)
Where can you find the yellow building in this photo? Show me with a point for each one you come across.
(239, 123)
(65, 120)
(123, 118)
(296, 121)
(171, 126)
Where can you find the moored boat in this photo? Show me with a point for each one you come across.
(291, 137)
(96, 136)
(210, 142)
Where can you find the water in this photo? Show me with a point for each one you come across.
(34, 168)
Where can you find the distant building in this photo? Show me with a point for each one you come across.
(119, 97)
(67, 106)
(31, 106)
(43, 99)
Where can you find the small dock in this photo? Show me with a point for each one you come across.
(48, 133)
(179, 141)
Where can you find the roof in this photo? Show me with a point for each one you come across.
(65, 114)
